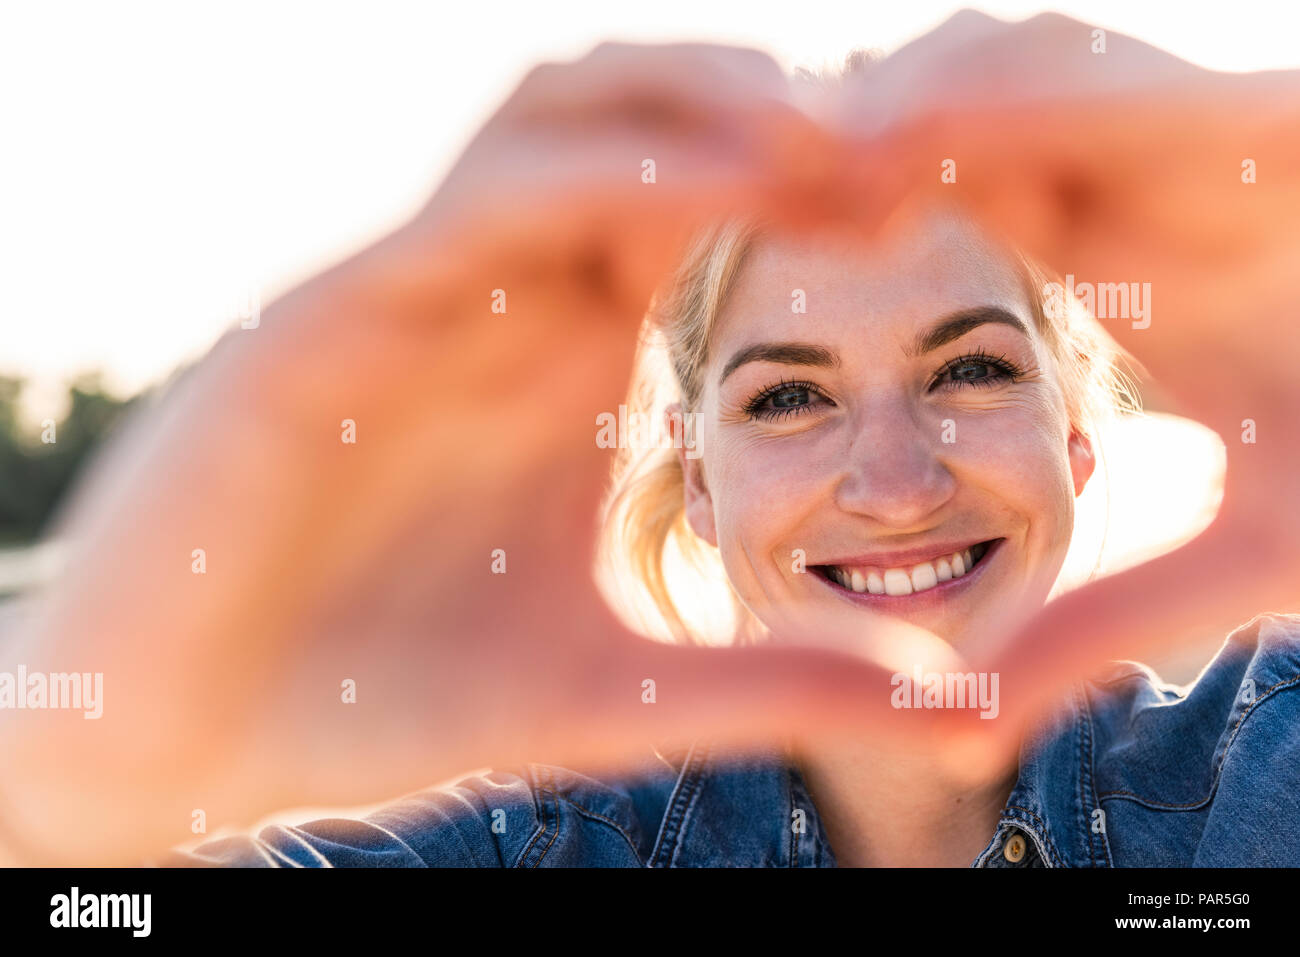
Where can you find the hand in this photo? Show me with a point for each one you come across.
(329, 561)
(1123, 166)
(325, 562)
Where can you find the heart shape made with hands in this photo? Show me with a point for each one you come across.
(371, 560)
(1117, 164)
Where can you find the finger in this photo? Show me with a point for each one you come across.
(693, 83)
(1098, 178)
(747, 698)
(973, 61)
(1222, 578)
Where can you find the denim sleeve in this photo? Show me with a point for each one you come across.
(1207, 774)
(1254, 819)
(476, 822)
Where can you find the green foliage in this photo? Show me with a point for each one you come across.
(35, 475)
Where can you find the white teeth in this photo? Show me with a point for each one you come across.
(924, 576)
(903, 581)
(897, 582)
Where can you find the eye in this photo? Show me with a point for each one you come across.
(978, 369)
(784, 399)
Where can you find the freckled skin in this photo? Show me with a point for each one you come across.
(863, 467)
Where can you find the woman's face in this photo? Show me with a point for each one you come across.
(900, 447)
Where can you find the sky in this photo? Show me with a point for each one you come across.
(162, 159)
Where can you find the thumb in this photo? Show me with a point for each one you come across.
(750, 697)
(1216, 581)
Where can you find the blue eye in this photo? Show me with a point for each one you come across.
(971, 371)
(783, 399)
(977, 370)
(789, 398)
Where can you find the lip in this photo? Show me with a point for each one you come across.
(940, 594)
(910, 556)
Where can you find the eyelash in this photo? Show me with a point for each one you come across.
(754, 407)
(1004, 370)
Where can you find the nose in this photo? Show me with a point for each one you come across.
(895, 468)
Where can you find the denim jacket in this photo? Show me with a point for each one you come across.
(1129, 772)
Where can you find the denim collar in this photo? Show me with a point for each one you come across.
(738, 808)
(752, 808)
(1055, 794)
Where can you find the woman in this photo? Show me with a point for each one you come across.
(925, 407)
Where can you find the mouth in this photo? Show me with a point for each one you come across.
(939, 575)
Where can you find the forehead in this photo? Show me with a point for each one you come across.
(886, 287)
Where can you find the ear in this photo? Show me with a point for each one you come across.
(698, 502)
(1082, 461)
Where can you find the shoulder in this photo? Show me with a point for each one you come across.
(535, 815)
(1256, 670)
(1208, 772)
(688, 806)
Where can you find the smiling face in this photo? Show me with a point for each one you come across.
(907, 434)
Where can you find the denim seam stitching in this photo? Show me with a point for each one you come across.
(670, 824)
(1082, 740)
(794, 834)
(696, 789)
(555, 808)
(587, 812)
(1087, 781)
(543, 815)
(535, 790)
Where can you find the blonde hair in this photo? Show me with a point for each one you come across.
(644, 531)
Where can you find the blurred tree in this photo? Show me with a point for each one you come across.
(35, 475)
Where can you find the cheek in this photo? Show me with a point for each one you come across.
(762, 491)
(1020, 455)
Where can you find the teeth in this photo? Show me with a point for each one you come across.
(924, 576)
(897, 582)
(906, 581)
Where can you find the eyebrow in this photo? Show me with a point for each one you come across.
(951, 327)
(785, 353)
(957, 324)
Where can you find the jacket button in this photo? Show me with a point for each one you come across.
(1014, 849)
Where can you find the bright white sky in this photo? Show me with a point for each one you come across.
(160, 157)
